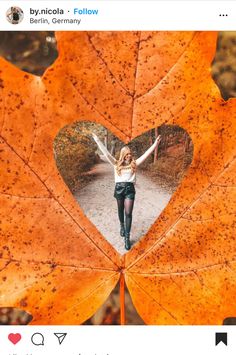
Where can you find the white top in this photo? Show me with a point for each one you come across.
(126, 174)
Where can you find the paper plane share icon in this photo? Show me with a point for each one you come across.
(60, 337)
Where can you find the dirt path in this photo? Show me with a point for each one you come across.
(100, 206)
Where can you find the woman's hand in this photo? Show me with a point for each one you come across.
(158, 139)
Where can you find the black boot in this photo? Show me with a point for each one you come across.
(127, 241)
(122, 229)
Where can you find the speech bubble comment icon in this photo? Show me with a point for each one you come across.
(37, 339)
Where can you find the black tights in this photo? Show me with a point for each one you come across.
(125, 206)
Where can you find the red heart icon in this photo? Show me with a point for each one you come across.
(14, 338)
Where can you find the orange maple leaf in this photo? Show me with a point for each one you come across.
(54, 263)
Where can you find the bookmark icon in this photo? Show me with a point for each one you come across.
(60, 337)
(221, 337)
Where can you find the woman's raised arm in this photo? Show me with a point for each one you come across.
(104, 150)
(143, 157)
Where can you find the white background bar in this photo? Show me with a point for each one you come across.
(118, 340)
(128, 15)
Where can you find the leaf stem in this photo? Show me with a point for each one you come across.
(122, 299)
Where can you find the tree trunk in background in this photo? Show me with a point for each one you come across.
(165, 143)
(156, 149)
(150, 138)
(106, 139)
(113, 147)
(187, 142)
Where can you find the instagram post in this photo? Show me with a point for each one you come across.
(117, 160)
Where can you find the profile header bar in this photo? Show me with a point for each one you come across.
(117, 15)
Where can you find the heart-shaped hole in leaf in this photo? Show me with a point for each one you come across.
(83, 163)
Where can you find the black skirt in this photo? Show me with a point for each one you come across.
(124, 190)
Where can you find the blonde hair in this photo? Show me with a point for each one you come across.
(120, 162)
